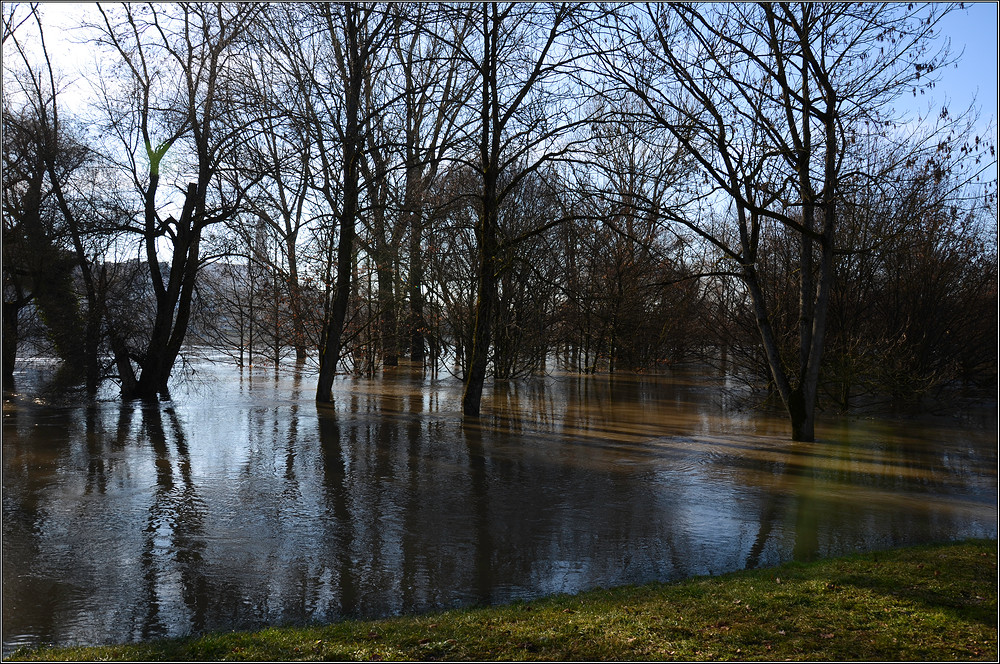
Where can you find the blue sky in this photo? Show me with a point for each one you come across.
(973, 34)
(973, 29)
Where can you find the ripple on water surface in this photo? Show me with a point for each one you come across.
(239, 504)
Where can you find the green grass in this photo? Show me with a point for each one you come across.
(922, 603)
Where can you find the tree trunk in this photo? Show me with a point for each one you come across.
(173, 302)
(295, 302)
(330, 349)
(416, 296)
(486, 229)
(485, 300)
(802, 415)
(387, 312)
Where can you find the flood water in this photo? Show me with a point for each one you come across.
(238, 504)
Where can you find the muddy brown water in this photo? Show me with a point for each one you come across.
(238, 504)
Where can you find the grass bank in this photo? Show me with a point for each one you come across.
(921, 603)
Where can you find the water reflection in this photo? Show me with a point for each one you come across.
(174, 535)
(238, 504)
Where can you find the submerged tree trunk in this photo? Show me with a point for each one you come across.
(486, 227)
(331, 346)
(416, 324)
(295, 301)
(485, 303)
(173, 299)
(11, 313)
(387, 311)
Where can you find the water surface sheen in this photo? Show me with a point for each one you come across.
(238, 504)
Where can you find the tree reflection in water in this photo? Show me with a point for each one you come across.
(173, 552)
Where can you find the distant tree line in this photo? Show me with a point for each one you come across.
(497, 190)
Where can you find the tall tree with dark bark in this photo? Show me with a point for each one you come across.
(355, 33)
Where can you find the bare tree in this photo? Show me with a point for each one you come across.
(351, 37)
(765, 98)
(434, 98)
(529, 104)
(167, 110)
(912, 309)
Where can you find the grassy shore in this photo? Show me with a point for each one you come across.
(921, 603)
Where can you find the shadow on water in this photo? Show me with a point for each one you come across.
(240, 504)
